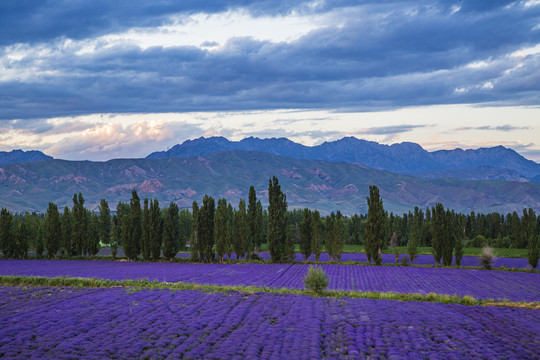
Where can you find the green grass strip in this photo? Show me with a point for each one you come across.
(137, 285)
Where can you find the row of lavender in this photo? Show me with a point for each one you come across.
(65, 323)
(477, 283)
(519, 263)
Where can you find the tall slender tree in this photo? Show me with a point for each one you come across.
(206, 229)
(185, 220)
(252, 219)
(337, 246)
(414, 235)
(241, 231)
(7, 238)
(116, 235)
(93, 233)
(305, 235)
(22, 240)
(374, 226)
(316, 235)
(448, 238)
(146, 230)
(156, 229)
(222, 229)
(171, 233)
(259, 235)
(66, 248)
(80, 225)
(437, 231)
(132, 247)
(533, 253)
(194, 243)
(104, 222)
(277, 209)
(54, 230)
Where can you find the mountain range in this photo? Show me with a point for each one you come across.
(16, 156)
(496, 163)
(317, 184)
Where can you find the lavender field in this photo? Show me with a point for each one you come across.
(65, 323)
(477, 283)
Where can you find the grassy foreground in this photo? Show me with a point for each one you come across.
(136, 285)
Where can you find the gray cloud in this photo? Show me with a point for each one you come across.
(504, 128)
(399, 55)
(389, 130)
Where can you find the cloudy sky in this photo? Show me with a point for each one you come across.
(104, 79)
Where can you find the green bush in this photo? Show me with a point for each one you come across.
(487, 257)
(316, 280)
(478, 241)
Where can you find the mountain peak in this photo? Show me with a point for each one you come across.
(20, 156)
(405, 157)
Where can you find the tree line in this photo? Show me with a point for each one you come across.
(214, 232)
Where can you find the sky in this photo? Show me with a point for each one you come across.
(95, 80)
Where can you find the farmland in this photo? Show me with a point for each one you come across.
(70, 322)
(67, 323)
(463, 282)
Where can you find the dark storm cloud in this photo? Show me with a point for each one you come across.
(383, 55)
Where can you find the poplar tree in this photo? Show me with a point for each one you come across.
(156, 230)
(66, 247)
(104, 222)
(259, 235)
(230, 219)
(206, 229)
(305, 235)
(436, 230)
(222, 231)
(329, 235)
(171, 233)
(374, 226)
(533, 253)
(7, 238)
(241, 231)
(54, 230)
(337, 245)
(93, 233)
(447, 238)
(316, 235)
(126, 233)
(22, 241)
(194, 243)
(252, 220)
(146, 229)
(277, 210)
(458, 247)
(292, 232)
(414, 235)
(40, 240)
(185, 220)
(132, 247)
(79, 225)
(116, 235)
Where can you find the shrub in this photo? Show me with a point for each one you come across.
(316, 280)
(487, 257)
(404, 261)
(479, 241)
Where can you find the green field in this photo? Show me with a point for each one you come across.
(499, 252)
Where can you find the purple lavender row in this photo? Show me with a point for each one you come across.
(477, 283)
(64, 323)
(390, 259)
